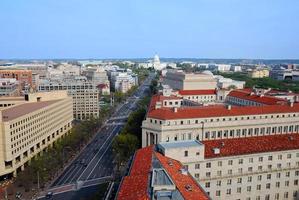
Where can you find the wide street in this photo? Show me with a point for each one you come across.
(96, 160)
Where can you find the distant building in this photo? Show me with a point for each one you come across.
(29, 125)
(179, 80)
(227, 83)
(24, 77)
(104, 89)
(9, 87)
(258, 73)
(85, 95)
(96, 75)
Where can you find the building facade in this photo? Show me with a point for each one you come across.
(29, 125)
(85, 96)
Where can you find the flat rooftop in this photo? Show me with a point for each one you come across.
(180, 144)
(17, 111)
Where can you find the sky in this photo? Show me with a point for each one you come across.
(252, 29)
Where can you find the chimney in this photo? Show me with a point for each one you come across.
(216, 150)
(229, 107)
(291, 103)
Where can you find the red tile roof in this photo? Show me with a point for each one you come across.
(134, 186)
(17, 111)
(197, 92)
(266, 100)
(181, 180)
(219, 111)
(251, 145)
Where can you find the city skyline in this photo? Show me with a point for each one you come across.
(138, 29)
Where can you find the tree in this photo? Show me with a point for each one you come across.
(124, 145)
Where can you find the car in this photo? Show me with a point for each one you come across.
(82, 161)
(49, 195)
(18, 195)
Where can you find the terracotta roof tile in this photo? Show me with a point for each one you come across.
(135, 185)
(197, 92)
(181, 180)
(267, 100)
(251, 145)
(219, 111)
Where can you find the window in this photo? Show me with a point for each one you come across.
(207, 184)
(260, 159)
(268, 176)
(239, 180)
(268, 186)
(219, 173)
(289, 155)
(218, 183)
(259, 177)
(258, 187)
(248, 188)
(197, 166)
(230, 171)
(230, 162)
(250, 160)
(279, 157)
(249, 179)
(208, 165)
(270, 157)
(219, 163)
(218, 193)
(238, 190)
(228, 191)
(208, 174)
(240, 161)
(229, 181)
(186, 153)
(277, 184)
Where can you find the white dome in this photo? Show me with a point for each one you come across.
(156, 58)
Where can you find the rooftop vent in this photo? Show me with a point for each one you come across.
(158, 105)
(222, 144)
(175, 109)
(170, 163)
(216, 150)
(188, 187)
(184, 171)
(291, 138)
(229, 107)
(291, 103)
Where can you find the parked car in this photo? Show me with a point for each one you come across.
(49, 195)
(18, 195)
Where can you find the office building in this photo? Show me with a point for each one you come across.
(29, 125)
(85, 95)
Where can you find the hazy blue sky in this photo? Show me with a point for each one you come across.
(139, 28)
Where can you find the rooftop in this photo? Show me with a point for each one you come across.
(251, 96)
(219, 111)
(251, 145)
(19, 110)
(197, 92)
(136, 186)
(180, 144)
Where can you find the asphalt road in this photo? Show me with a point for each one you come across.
(96, 159)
